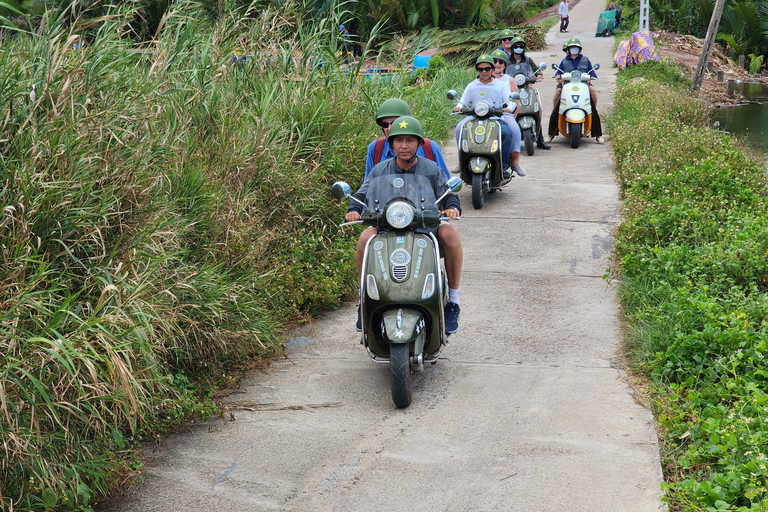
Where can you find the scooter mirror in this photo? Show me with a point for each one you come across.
(554, 66)
(543, 65)
(341, 190)
(454, 184)
(452, 95)
(596, 66)
(515, 96)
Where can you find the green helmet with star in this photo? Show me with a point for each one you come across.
(506, 34)
(500, 54)
(517, 40)
(406, 125)
(484, 59)
(393, 107)
(572, 42)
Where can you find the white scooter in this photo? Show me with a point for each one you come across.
(575, 113)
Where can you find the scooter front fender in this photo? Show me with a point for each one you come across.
(526, 122)
(402, 325)
(479, 164)
(575, 115)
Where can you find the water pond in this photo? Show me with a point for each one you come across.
(751, 119)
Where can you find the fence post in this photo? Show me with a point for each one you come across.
(720, 74)
(731, 87)
(741, 61)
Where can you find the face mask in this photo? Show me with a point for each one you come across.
(574, 50)
(519, 50)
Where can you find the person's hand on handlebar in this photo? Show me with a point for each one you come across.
(451, 213)
(457, 109)
(351, 217)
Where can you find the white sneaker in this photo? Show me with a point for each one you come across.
(600, 140)
(549, 138)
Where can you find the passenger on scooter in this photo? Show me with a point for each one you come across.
(506, 37)
(575, 60)
(380, 150)
(487, 89)
(518, 57)
(406, 137)
(507, 83)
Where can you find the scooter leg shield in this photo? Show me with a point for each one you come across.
(402, 325)
(526, 122)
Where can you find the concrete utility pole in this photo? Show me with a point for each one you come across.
(706, 51)
(644, 11)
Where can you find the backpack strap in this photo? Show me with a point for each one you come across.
(428, 149)
(378, 149)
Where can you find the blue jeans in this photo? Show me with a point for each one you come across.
(506, 143)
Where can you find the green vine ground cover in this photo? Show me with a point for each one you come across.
(691, 256)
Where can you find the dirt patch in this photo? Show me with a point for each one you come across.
(685, 50)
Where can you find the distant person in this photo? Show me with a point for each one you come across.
(613, 7)
(345, 41)
(380, 150)
(506, 37)
(564, 18)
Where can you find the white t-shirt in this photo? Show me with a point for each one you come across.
(563, 9)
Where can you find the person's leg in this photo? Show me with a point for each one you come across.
(540, 143)
(450, 245)
(506, 143)
(562, 24)
(364, 236)
(567, 21)
(552, 129)
(597, 127)
(515, 128)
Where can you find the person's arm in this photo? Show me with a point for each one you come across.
(369, 161)
(439, 158)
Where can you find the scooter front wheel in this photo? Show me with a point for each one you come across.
(575, 129)
(528, 138)
(478, 194)
(400, 374)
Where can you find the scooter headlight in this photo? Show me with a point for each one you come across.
(520, 79)
(576, 75)
(482, 108)
(400, 214)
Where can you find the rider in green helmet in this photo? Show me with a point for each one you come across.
(575, 60)
(406, 136)
(519, 57)
(380, 149)
(506, 37)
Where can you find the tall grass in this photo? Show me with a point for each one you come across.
(164, 215)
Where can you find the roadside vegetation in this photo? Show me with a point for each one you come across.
(165, 214)
(691, 257)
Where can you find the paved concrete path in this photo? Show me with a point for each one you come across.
(528, 410)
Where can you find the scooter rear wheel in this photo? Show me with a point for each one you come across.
(478, 194)
(400, 374)
(528, 138)
(575, 130)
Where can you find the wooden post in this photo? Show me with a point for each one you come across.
(710, 66)
(706, 51)
(720, 75)
(741, 61)
(731, 87)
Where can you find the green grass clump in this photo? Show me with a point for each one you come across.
(164, 215)
(692, 257)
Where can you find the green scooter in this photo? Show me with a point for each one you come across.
(480, 160)
(403, 287)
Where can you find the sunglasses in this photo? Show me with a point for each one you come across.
(385, 124)
(497, 61)
(482, 70)
(507, 39)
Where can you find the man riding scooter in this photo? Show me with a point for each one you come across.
(574, 60)
(486, 88)
(406, 137)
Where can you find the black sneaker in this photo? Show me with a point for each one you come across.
(543, 145)
(359, 324)
(452, 312)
